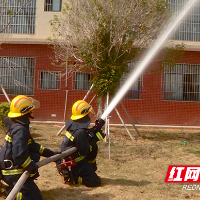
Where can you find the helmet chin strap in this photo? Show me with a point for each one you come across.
(30, 116)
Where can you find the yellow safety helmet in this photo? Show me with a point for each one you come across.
(80, 109)
(22, 105)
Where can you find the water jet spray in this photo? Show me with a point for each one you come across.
(172, 25)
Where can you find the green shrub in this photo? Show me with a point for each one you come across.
(4, 109)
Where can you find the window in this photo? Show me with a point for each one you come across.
(49, 80)
(17, 75)
(18, 16)
(181, 82)
(189, 28)
(82, 81)
(53, 5)
(134, 91)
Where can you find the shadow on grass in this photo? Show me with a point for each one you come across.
(124, 182)
(36, 135)
(77, 192)
(161, 136)
(74, 193)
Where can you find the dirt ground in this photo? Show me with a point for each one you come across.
(135, 170)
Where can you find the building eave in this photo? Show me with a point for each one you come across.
(26, 41)
(188, 45)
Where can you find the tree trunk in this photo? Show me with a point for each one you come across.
(100, 107)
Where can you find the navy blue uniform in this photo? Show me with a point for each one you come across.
(23, 152)
(77, 136)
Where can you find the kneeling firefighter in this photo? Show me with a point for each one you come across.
(19, 151)
(80, 167)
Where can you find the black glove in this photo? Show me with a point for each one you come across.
(57, 152)
(58, 165)
(47, 153)
(34, 176)
(33, 170)
(97, 127)
(99, 124)
(96, 132)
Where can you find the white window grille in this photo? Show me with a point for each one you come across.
(134, 91)
(49, 80)
(53, 5)
(18, 16)
(81, 81)
(17, 75)
(181, 82)
(189, 29)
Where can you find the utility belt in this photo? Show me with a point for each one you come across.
(76, 159)
(6, 164)
(7, 168)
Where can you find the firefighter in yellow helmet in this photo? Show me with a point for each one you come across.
(20, 152)
(84, 139)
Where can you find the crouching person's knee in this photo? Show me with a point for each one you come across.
(96, 182)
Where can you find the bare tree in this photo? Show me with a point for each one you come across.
(106, 34)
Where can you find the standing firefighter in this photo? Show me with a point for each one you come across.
(80, 167)
(20, 152)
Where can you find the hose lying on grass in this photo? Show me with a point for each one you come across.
(41, 163)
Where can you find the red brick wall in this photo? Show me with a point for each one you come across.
(52, 101)
(149, 109)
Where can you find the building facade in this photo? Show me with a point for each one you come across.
(168, 96)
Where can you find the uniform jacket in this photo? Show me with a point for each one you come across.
(77, 136)
(19, 146)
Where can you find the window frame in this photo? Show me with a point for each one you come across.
(17, 75)
(181, 82)
(189, 28)
(15, 20)
(44, 85)
(136, 87)
(48, 6)
(86, 85)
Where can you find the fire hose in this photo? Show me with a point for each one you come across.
(98, 125)
(41, 163)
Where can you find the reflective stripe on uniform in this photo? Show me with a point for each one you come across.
(41, 149)
(19, 196)
(8, 138)
(12, 172)
(92, 161)
(99, 136)
(31, 175)
(80, 180)
(79, 158)
(27, 162)
(90, 148)
(69, 136)
(29, 141)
